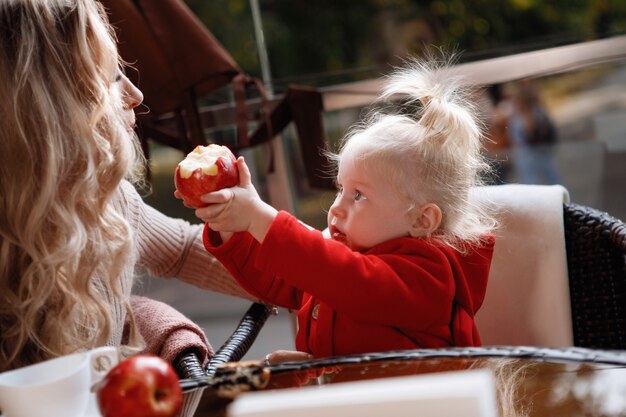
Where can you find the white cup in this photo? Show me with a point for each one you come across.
(57, 387)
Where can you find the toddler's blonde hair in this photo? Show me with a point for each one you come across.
(431, 149)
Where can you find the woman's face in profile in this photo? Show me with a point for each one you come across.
(131, 97)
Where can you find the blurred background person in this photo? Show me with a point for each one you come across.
(498, 144)
(532, 134)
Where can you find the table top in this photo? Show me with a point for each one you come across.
(530, 382)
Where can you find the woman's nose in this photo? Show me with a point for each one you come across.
(133, 96)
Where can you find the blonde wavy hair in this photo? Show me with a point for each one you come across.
(424, 135)
(64, 149)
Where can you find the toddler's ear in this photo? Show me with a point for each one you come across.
(425, 220)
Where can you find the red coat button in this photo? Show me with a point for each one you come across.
(315, 312)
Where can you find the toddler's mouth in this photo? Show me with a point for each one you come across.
(337, 235)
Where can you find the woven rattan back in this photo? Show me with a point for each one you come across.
(596, 260)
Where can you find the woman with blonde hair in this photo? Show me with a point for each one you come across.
(73, 230)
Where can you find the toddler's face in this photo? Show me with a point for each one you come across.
(367, 210)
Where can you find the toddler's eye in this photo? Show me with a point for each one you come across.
(359, 196)
(339, 189)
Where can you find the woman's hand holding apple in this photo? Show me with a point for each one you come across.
(239, 208)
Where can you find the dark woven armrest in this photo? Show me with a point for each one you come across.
(190, 371)
(187, 365)
(242, 338)
(572, 354)
(596, 261)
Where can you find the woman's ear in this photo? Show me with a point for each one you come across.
(426, 219)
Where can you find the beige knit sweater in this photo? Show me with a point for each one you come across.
(167, 248)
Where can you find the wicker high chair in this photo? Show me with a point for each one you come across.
(596, 260)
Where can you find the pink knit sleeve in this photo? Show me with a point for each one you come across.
(166, 331)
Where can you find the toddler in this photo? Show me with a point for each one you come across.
(408, 257)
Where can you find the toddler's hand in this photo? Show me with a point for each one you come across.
(237, 209)
(226, 236)
(300, 377)
(280, 356)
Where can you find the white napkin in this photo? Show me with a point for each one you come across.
(527, 300)
(470, 393)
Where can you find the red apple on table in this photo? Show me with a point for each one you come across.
(140, 386)
(205, 169)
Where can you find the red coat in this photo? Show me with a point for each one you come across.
(405, 293)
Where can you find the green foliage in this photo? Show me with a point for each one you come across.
(326, 42)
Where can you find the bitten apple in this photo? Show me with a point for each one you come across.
(205, 169)
(140, 386)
